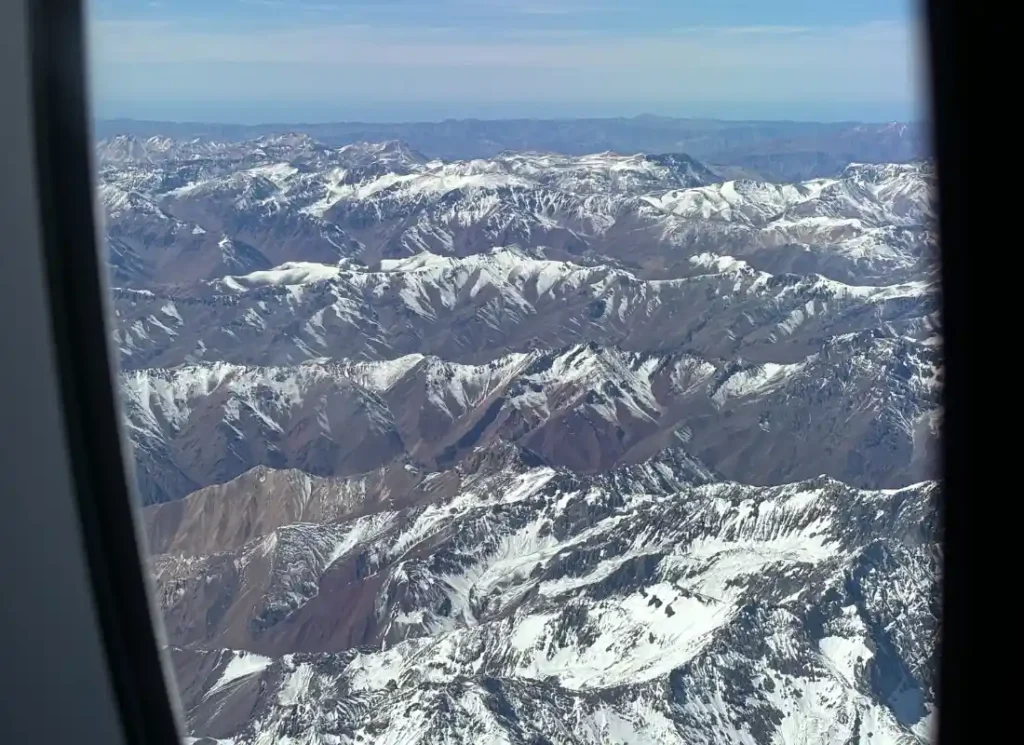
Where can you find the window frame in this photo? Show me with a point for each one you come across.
(59, 146)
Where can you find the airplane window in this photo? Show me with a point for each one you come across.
(529, 372)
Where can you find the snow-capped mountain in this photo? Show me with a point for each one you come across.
(533, 447)
(776, 151)
(293, 199)
(862, 409)
(471, 309)
(526, 604)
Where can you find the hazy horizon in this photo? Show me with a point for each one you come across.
(255, 61)
(298, 120)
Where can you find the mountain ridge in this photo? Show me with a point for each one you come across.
(777, 150)
(432, 645)
(617, 405)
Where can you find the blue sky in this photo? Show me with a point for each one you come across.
(395, 60)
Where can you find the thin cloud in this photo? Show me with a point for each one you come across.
(365, 45)
(766, 31)
(541, 8)
(769, 30)
(164, 61)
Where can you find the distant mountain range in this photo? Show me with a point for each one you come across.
(767, 150)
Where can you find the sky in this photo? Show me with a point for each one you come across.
(252, 61)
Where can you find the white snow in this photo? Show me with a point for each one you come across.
(242, 665)
(846, 655)
(171, 310)
(755, 381)
(381, 376)
(289, 273)
(295, 685)
(278, 173)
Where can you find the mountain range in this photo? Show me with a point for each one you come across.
(772, 150)
(510, 442)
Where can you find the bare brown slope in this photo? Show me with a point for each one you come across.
(861, 410)
(225, 516)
